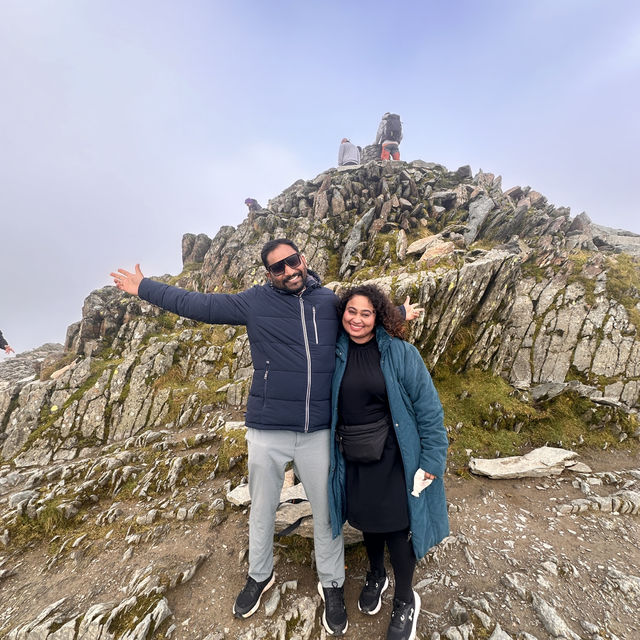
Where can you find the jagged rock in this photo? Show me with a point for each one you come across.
(194, 248)
(241, 498)
(359, 229)
(272, 603)
(551, 620)
(628, 584)
(119, 422)
(621, 502)
(513, 581)
(435, 251)
(478, 211)
(541, 462)
(616, 239)
(459, 614)
(499, 634)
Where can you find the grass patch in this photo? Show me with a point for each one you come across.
(578, 261)
(67, 358)
(49, 522)
(623, 284)
(296, 549)
(196, 472)
(187, 269)
(531, 269)
(333, 267)
(486, 415)
(127, 619)
(233, 445)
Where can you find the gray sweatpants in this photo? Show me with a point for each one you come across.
(269, 453)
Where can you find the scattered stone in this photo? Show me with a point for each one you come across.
(541, 462)
(551, 620)
(272, 603)
(459, 614)
(499, 634)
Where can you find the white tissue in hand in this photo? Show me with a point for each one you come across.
(420, 482)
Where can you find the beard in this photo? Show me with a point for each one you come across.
(295, 289)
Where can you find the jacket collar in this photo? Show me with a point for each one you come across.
(382, 337)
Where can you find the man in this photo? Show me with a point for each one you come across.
(348, 154)
(5, 345)
(389, 136)
(292, 324)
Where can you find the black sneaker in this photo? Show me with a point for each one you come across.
(334, 617)
(404, 619)
(248, 599)
(370, 599)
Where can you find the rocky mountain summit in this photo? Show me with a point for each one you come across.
(122, 456)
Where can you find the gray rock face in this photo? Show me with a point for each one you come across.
(478, 211)
(391, 223)
(194, 248)
(131, 445)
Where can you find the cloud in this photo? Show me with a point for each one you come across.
(260, 170)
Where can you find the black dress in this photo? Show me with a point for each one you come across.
(375, 491)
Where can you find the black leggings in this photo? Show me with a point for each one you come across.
(402, 557)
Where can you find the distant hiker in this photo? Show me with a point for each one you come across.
(348, 154)
(5, 345)
(389, 136)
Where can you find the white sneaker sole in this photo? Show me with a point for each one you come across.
(257, 605)
(416, 613)
(384, 588)
(324, 617)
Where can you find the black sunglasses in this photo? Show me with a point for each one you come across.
(277, 268)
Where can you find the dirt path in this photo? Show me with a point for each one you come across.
(507, 551)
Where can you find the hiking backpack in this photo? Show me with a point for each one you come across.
(393, 128)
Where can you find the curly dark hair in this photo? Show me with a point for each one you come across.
(387, 314)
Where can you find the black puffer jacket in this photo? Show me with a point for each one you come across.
(292, 339)
(3, 342)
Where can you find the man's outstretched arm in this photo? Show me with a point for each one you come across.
(214, 308)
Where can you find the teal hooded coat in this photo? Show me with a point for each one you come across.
(418, 422)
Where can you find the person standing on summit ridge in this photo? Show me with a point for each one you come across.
(389, 136)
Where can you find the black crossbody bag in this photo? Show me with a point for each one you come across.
(363, 442)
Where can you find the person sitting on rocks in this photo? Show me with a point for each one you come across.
(253, 205)
(348, 154)
(255, 209)
(5, 345)
(389, 136)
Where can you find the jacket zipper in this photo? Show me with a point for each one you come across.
(308, 354)
(315, 326)
(266, 375)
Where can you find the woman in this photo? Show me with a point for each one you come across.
(388, 440)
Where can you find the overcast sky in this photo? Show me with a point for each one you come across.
(124, 124)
